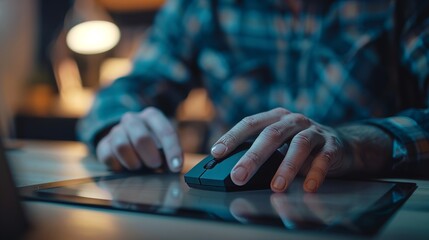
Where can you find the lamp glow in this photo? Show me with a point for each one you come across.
(93, 37)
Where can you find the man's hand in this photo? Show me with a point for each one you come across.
(135, 143)
(314, 150)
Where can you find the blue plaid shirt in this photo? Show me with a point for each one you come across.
(334, 61)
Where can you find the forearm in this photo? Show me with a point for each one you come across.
(368, 149)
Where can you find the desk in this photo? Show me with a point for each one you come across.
(35, 162)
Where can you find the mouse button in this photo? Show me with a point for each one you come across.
(193, 175)
(220, 174)
(217, 175)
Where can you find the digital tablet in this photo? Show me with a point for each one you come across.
(340, 206)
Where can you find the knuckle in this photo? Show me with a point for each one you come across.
(253, 158)
(149, 111)
(249, 122)
(127, 117)
(115, 129)
(336, 141)
(291, 167)
(302, 119)
(281, 111)
(229, 139)
(301, 141)
(329, 156)
(273, 133)
(318, 171)
(317, 129)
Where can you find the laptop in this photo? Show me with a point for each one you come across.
(13, 221)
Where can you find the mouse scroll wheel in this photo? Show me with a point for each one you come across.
(211, 164)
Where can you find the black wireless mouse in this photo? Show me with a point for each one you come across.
(214, 174)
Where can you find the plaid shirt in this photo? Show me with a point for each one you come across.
(334, 61)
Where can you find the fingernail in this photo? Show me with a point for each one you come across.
(175, 163)
(239, 174)
(218, 149)
(279, 183)
(311, 185)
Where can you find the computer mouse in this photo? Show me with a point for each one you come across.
(215, 174)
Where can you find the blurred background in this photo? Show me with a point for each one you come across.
(54, 55)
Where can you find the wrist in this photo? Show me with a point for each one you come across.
(368, 149)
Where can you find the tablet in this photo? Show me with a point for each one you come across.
(340, 206)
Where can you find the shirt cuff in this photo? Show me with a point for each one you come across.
(407, 132)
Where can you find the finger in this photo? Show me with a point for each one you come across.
(142, 140)
(167, 136)
(123, 150)
(300, 148)
(105, 155)
(271, 138)
(320, 166)
(245, 129)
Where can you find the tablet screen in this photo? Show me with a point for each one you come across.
(345, 206)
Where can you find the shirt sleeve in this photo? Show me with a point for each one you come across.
(411, 129)
(411, 126)
(163, 74)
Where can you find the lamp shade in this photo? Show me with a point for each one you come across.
(90, 30)
(93, 37)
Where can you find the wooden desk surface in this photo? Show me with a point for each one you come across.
(35, 162)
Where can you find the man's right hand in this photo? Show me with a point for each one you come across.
(135, 143)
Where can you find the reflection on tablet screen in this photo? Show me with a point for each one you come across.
(359, 207)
